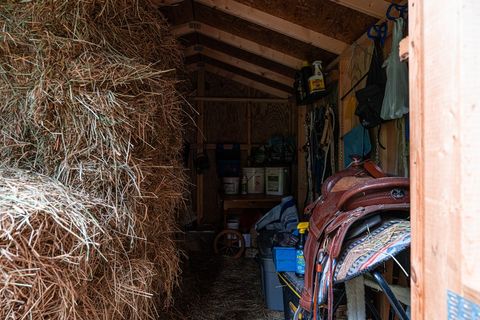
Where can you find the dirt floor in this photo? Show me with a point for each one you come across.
(216, 288)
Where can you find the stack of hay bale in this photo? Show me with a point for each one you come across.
(90, 173)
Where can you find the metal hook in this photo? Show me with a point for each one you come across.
(402, 11)
(378, 32)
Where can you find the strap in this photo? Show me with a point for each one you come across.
(374, 170)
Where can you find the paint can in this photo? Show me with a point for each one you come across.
(231, 185)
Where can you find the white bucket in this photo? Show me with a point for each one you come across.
(256, 179)
(231, 185)
(233, 225)
(276, 180)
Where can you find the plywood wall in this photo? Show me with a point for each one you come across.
(445, 154)
(246, 123)
(353, 65)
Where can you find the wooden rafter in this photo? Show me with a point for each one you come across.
(374, 8)
(161, 3)
(250, 67)
(240, 79)
(239, 42)
(240, 99)
(277, 24)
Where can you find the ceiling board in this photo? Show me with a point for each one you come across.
(193, 39)
(374, 8)
(261, 35)
(196, 28)
(227, 67)
(239, 63)
(288, 27)
(227, 74)
(322, 16)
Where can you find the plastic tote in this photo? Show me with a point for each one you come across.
(395, 102)
(276, 181)
(271, 287)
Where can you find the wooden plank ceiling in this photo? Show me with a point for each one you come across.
(260, 43)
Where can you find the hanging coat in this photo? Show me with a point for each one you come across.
(395, 102)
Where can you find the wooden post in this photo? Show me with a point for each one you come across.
(249, 129)
(301, 140)
(200, 139)
(445, 174)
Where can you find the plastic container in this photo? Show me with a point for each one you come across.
(256, 179)
(276, 181)
(231, 185)
(316, 83)
(284, 259)
(248, 240)
(234, 225)
(271, 287)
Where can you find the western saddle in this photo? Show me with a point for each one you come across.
(350, 198)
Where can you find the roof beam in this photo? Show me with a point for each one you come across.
(374, 8)
(240, 79)
(241, 99)
(161, 3)
(277, 24)
(238, 42)
(247, 66)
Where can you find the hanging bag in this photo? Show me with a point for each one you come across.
(395, 103)
(370, 98)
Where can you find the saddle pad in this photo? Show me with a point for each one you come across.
(368, 252)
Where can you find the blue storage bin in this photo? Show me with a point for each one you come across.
(285, 259)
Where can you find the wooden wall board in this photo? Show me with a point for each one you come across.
(353, 65)
(226, 123)
(325, 17)
(445, 113)
(301, 165)
(261, 35)
(200, 105)
(212, 43)
(270, 119)
(220, 86)
(211, 199)
(217, 115)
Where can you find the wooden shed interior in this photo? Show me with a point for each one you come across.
(242, 58)
(239, 159)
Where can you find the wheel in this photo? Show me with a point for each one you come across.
(229, 243)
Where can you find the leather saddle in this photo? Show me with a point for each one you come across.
(350, 203)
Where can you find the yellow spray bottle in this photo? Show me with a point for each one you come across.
(300, 259)
(316, 82)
